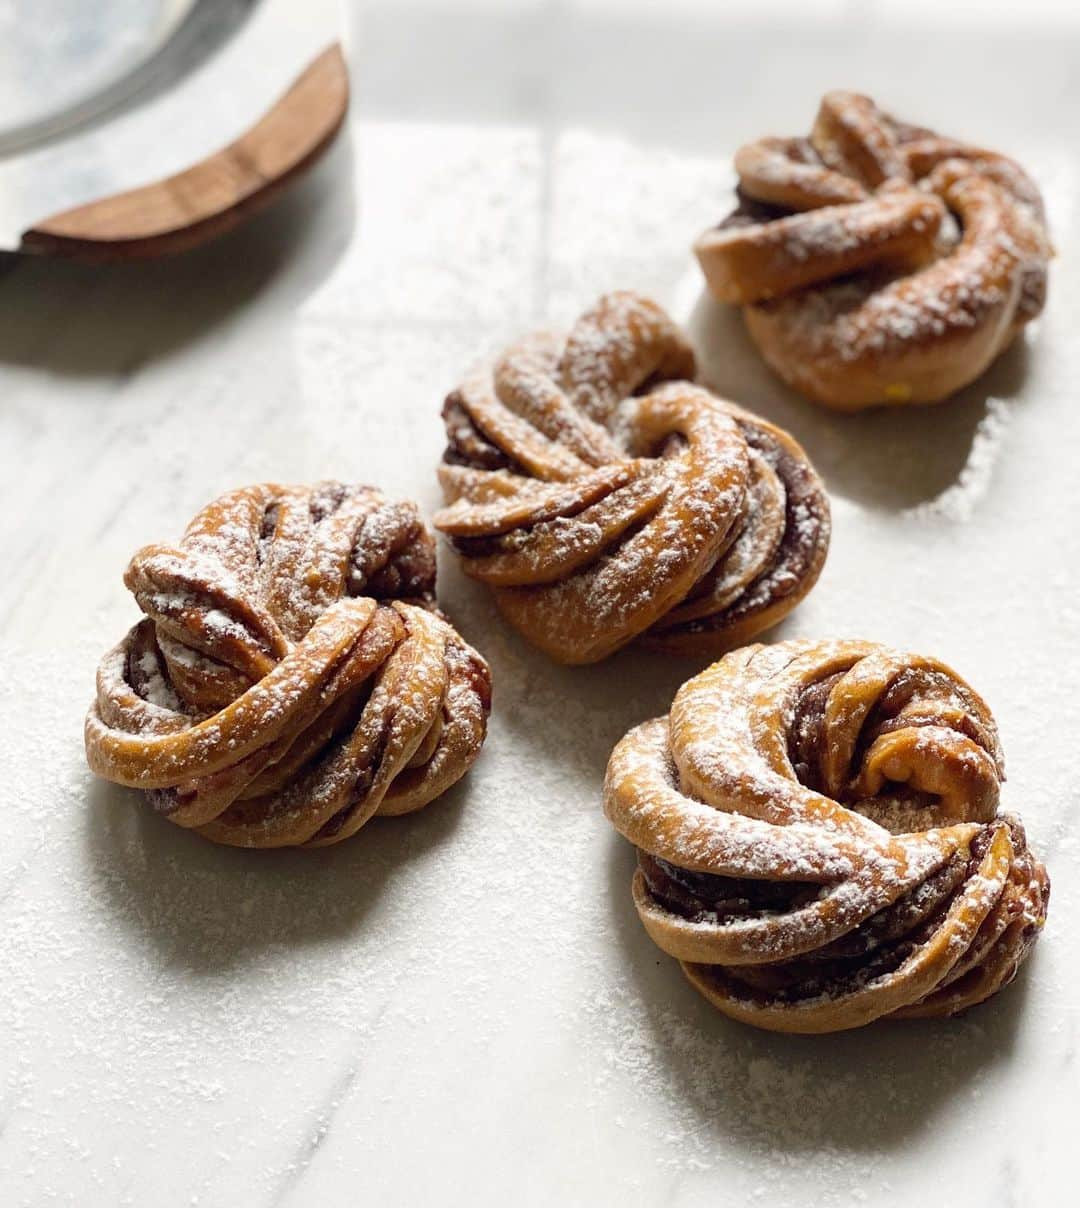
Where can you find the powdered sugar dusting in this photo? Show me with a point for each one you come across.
(464, 1003)
(959, 501)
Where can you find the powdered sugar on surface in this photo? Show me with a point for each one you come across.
(461, 1005)
(959, 501)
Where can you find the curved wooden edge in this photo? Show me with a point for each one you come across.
(216, 194)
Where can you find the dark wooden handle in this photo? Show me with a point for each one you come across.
(212, 196)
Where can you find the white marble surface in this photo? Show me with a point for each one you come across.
(460, 1007)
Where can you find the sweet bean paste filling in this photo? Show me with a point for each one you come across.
(749, 212)
(393, 554)
(805, 513)
(461, 665)
(990, 962)
(916, 698)
(404, 569)
(467, 446)
(805, 516)
(877, 947)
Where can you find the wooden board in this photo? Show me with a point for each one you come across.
(213, 196)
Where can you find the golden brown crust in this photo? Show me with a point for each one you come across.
(819, 838)
(845, 254)
(292, 677)
(604, 497)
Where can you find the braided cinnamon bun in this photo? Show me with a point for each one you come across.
(605, 497)
(819, 840)
(878, 262)
(292, 677)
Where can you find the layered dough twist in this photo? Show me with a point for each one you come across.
(291, 678)
(819, 841)
(605, 497)
(879, 262)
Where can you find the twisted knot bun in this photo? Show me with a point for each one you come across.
(604, 497)
(269, 698)
(819, 838)
(879, 262)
